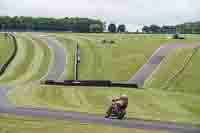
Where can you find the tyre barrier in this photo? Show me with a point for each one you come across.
(95, 83)
(4, 66)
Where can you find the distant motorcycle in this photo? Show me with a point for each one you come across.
(115, 111)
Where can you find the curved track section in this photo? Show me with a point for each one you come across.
(58, 65)
(141, 75)
(4, 102)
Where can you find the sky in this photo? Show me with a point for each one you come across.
(133, 13)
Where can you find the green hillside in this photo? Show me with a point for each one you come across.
(174, 84)
(117, 61)
(178, 72)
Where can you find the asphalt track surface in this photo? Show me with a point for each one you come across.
(8, 108)
(146, 70)
(58, 65)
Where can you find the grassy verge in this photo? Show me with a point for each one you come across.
(147, 104)
(188, 80)
(14, 124)
(20, 64)
(160, 78)
(6, 48)
(31, 62)
(185, 81)
(45, 56)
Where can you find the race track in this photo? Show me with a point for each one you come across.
(58, 65)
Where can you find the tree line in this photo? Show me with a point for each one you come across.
(76, 24)
(186, 28)
(73, 24)
(50, 24)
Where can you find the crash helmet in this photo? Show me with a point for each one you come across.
(124, 97)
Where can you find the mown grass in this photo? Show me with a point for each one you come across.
(6, 48)
(188, 80)
(22, 61)
(16, 124)
(169, 67)
(148, 104)
(118, 61)
(185, 81)
(46, 58)
(31, 62)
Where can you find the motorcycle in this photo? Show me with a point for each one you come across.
(115, 111)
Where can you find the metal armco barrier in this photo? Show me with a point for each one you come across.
(97, 83)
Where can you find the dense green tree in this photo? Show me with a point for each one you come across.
(186, 28)
(121, 28)
(96, 28)
(168, 29)
(48, 24)
(112, 28)
(145, 29)
(155, 29)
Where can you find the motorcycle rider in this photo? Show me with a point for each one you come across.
(120, 104)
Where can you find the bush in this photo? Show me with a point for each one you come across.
(108, 41)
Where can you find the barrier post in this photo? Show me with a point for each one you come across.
(76, 62)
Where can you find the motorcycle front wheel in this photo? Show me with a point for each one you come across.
(121, 115)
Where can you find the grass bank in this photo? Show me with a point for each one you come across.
(22, 61)
(174, 75)
(6, 48)
(16, 124)
(149, 104)
(31, 62)
(117, 61)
